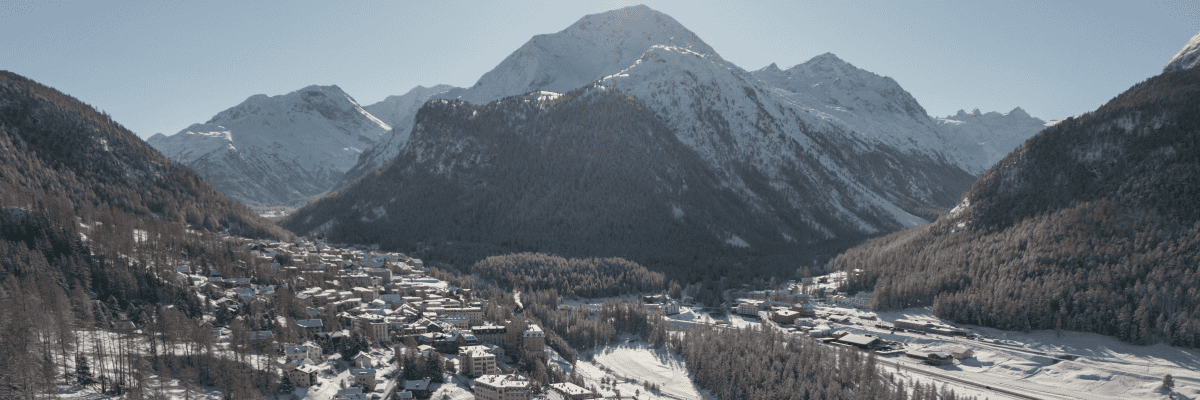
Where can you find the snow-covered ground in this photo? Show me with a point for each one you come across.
(1106, 368)
(634, 364)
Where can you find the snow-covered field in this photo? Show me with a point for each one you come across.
(634, 364)
(1106, 368)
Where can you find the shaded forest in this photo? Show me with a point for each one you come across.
(1092, 225)
(584, 277)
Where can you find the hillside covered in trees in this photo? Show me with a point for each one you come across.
(590, 277)
(91, 221)
(590, 173)
(1092, 225)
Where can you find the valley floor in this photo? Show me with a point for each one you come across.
(1029, 363)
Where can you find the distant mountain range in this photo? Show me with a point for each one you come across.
(1091, 225)
(719, 159)
(982, 139)
(279, 150)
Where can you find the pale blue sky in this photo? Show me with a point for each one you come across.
(159, 66)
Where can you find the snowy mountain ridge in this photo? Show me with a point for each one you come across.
(855, 156)
(398, 112)
(595, 46)
(1188, 56)
(983, 139)
(277, 150)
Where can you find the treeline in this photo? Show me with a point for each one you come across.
(1092, 226)
(583, 277)
(763, 364)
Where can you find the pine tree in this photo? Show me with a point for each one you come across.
(83, 372)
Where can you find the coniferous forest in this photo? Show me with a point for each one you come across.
(91, 222)
(1092, 225)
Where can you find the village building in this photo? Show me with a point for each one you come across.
(419, 388)
(303, 376)
(364, 377)
(307, 351)
(501, 387)
(931, 358)
(493, 334)
(350, 393)
(861, 341)
(477, 361)
(534, 340)
(571, 391)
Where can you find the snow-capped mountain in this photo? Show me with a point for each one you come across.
(278, 150)
(398, 112)
(596, 46)
(797, 169)
(875, 107)
(982, 139)
(1188, 57)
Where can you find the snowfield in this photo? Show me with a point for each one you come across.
(634, 363)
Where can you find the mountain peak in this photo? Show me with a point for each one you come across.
(595, 46)
(1018, 112)
(1187, 57)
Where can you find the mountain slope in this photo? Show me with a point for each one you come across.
(1091, 225)
(398, 112)
(982, 139)
(1188, 57)
(784, 177)
(280, 150)
(64, 158)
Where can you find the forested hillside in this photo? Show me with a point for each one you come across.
(1092, 225)
(590, 277)
(592, 173)
(89, 217)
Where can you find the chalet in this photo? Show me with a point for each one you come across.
(307, 351)
(961, 352)
(419, 388)
(363, 360)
